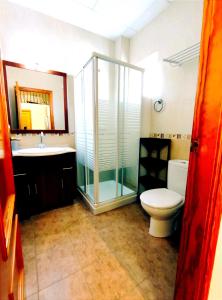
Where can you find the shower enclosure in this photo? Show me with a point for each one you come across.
(107, 118)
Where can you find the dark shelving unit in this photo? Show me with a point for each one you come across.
(153, 163)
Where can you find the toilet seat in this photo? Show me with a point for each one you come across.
(161, 198)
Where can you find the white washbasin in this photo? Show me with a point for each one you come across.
(42, 151)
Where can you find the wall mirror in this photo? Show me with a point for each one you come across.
(37, 101)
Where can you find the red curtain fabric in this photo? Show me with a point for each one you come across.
(203, 206)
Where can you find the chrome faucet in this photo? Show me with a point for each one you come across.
(41, 145)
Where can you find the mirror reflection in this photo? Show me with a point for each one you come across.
(36, 100)
(34, 108)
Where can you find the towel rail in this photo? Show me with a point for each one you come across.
(184, 56)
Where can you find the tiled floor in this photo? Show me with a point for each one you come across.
(71, 254)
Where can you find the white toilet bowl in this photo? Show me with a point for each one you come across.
(163, 206)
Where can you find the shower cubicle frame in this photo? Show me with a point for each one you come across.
(95, 206)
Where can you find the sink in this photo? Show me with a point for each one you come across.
(42, 151)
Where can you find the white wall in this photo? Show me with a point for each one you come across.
(29, 37)
(175, 29)
(122, 48)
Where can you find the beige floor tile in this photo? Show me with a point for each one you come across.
(80, 211)
(135, 294)
(89, 248)
(31, 282)
(107, 279)
(44, 242)
(148, 291)
(28, 239)
(109, 256)
(155, 290)
(118, 235)
(27, 229)
(56, 221)
(136, 264)
(51, 223)
(33, 297)
(80, 229)
(55, 264)
(28, 248)
(73, 287)
(123, 217)
(104, 220)
(143, 261)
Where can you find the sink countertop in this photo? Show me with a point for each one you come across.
(46, 151)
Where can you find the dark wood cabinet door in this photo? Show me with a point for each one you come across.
(48, 186)
(68, 185)
(23, 198)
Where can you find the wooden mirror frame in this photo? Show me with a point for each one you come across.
(64, 75)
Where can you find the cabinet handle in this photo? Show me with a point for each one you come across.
(20, 174)
(68, 168)
(29, 191)
(36, 189)
(62, 183)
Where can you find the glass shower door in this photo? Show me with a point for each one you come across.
(89, 129)
(119, 98)
(129, 128)
(80, 132)
(107, 129)
(84, 107)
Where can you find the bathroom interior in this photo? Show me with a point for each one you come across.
(100, 99)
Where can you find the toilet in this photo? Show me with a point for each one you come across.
(163, 205)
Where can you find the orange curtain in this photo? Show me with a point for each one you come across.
(203, 205)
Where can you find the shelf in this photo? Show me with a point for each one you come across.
(154, 164)
(152, 182)
(155, 143)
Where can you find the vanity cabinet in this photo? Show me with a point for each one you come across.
(44, 182)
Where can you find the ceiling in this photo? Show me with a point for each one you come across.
(109, 18)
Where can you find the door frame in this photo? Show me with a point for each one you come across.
(203, 205)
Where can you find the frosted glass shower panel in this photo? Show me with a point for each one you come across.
(107, 128)
(129, 128)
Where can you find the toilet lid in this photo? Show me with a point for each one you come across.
(161, 198)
